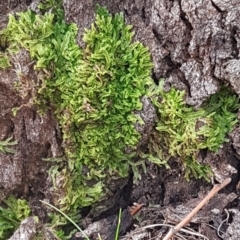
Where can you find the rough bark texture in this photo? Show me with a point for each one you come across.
(233, 231)
(35, 134)
(194, 45)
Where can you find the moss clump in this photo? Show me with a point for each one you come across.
(11, 216)
(111, 76)
(93, 91)
(4, 61)
(182, 131)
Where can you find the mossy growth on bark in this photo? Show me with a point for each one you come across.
(182, 131)
(94, 92)
(6, 146)
(11, 215)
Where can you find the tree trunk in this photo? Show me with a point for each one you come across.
(194, 45)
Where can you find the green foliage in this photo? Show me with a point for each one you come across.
(112, 76)
(4, 61)
(94, 92)
(10, 217)
(66, 217)
(61, 233)
(182, 131)
(222, 110)
(54, 6)
(5, 146)
(117, 234)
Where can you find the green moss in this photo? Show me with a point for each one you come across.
(6, 145)
(4, 61)
(11, 216)
(182, 131)
(93, 91)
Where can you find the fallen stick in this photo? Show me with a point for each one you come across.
(216, 188)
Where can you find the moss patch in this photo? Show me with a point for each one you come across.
(6, 146)
(11, 216)
(182, 131)
(94, 92)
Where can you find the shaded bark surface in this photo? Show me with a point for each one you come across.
(195, 46)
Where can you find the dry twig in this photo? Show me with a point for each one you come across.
(210, 195)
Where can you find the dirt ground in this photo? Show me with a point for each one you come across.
(194, 46)
(167, 197)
